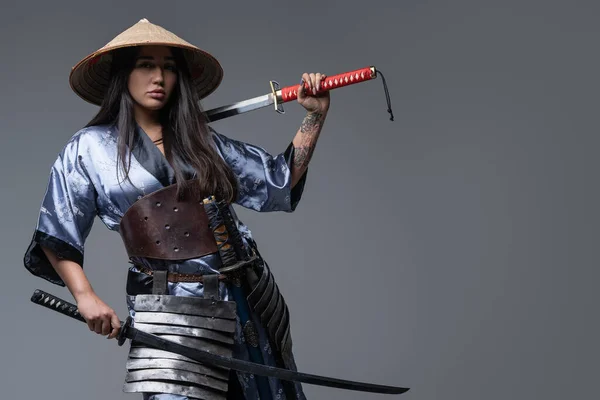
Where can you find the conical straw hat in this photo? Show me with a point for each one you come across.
(89, 78)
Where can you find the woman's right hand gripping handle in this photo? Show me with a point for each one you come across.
(99, 316)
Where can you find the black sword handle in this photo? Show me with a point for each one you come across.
(70, 310)
(57, 304)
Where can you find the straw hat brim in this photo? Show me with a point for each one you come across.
(89, 77)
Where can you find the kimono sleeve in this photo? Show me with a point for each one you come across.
(264, 180)
(65, 218)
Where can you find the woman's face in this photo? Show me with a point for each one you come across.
(153, 78)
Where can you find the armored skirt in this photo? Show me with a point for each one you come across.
(84, 183)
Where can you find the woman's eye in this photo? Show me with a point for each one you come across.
(151, 65)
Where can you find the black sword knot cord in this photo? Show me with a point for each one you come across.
(387, 95)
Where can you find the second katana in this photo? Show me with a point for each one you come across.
(279, 95)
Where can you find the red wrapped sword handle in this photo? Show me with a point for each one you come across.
(279, 96)
(290, 93)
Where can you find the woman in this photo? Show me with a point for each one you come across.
(150, 134)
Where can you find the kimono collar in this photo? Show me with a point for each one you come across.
(153, 160)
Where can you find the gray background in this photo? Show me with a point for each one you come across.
(453, 250)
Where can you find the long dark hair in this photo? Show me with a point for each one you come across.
(186, 137)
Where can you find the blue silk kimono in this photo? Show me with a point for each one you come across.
(83, 184)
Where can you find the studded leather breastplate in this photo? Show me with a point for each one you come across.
(162, 227)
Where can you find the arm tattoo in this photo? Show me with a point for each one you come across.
(311, 126)
(302, 156)
(311, 123)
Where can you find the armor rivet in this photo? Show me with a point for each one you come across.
(176, 249)
(167, 226)
(158, 242)
(145, 218)
(187, 234)
(175, 209)
(158, 204)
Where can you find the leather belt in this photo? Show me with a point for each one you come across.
(178, 277)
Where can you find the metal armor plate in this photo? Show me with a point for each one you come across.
(207, 323)
(266, 299)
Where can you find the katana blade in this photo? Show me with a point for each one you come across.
(129, 332)
(289, 93)
(240, 107)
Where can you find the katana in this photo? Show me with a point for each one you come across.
(128, 331)
(278, 95)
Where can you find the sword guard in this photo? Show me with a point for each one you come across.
(275, 89)
(125, 331)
